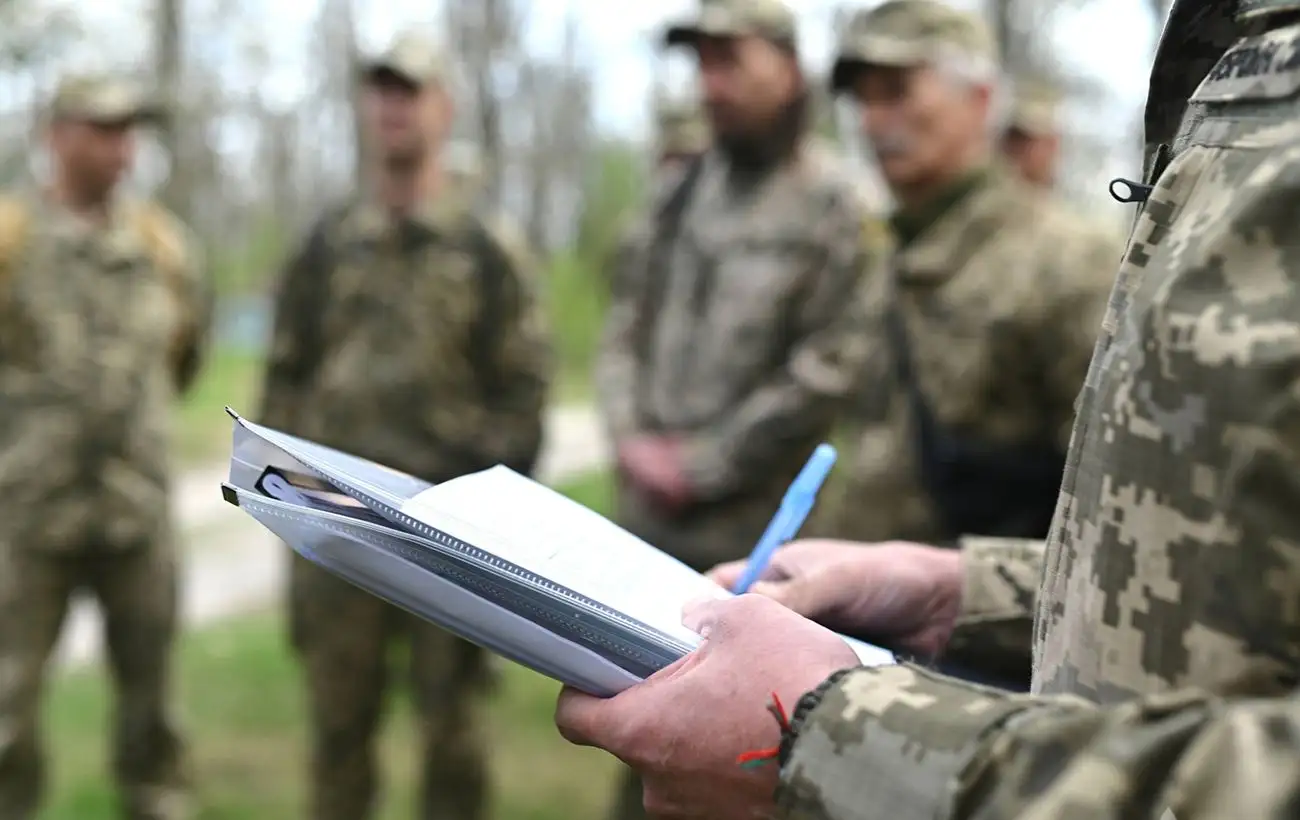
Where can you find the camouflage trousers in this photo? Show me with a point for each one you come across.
(343, 637)
(136, 590)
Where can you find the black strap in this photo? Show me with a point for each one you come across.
(662, 243)
(485, 338)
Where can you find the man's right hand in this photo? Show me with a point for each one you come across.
(906, 594)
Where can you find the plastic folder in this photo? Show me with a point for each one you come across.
(493, 557)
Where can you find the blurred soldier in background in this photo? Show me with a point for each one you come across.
(990, 311)
(738, 326)
(407, 333)
(104, 315)
(681, 136)
(1032, 140)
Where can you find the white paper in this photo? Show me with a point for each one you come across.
(544, 532)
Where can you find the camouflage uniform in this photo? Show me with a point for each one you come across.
(100, 328)
(1000, 293)
(1166, 635)
(741, 328)
(401, 358)
(680, 132)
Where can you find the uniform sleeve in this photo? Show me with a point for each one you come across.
(289, 365)
(198, 298)
(1000, 582)
(803, 398)
(513, 411)
(617, 364)
(900, 743)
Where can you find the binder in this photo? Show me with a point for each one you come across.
(493, 557)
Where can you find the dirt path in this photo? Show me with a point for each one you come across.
(233, 565)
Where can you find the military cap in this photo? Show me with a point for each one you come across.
(769, 19)
(1034, 106)
(910, 33)
(414, 56)
(102, 98)
(681, 128)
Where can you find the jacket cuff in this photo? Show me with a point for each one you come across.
(885, 743)
(1000, 578)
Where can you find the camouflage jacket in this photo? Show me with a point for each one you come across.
(1167, 636)
(99, 330)
(401, 356)
(1001, 297)
(742, 332)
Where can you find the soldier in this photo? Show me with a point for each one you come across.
(739, 324)
(1032, 141)
(104, 314)
(1167, 640)
(406, 333)
(993, 304)
(681, 136)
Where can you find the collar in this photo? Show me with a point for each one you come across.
(910, 224)
(115, 239)
(441, 214)
(973, 212)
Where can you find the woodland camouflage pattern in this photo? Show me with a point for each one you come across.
(1002, 295)
(394, 381)
(1170, 579)
(757, 341)
(100, 328)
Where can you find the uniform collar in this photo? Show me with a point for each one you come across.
(114, 239)
(369, 220)
(957, 224)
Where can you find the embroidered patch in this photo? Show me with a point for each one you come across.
(1266, 67)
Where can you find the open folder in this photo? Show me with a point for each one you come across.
(493, 557)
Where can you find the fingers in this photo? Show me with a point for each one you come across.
(726, 575)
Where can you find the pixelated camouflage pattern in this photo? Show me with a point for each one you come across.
(1000, 583)
(394, 382)
(751, 352)
(1002, 297)
(772, 19)
(99, 330)
(1170, 578)
(909, 33)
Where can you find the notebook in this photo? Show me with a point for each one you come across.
(494, 557)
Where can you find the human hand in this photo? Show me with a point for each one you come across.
(906, 594)
(654, 465)
(684, 728)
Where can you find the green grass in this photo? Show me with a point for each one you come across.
(242, 699)
(201, 428)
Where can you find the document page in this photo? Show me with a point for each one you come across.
(544, 532)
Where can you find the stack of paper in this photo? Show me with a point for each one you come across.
(492, 556)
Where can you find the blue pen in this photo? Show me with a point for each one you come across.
(795, 507)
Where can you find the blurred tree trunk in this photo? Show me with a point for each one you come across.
(169, 56)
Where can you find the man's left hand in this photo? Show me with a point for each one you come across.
(657, 465)
(684, 728)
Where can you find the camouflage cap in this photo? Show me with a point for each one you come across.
(102, 98)
(413, 56)
(769, 19)
(1035, 105)
(681, 127)
(910, 33)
